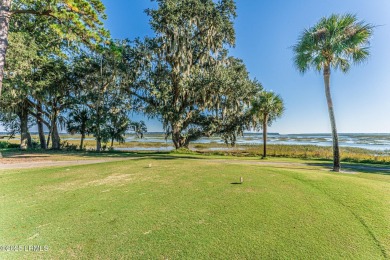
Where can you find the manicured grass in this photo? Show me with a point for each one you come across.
(185, 206)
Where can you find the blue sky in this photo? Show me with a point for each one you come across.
(266, 30)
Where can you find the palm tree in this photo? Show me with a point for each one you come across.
(266, 108)
(116, 128)
(139, 128)
(78, 123)
(333, 43)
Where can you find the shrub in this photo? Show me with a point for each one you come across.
(13, 146)
(183, 150)
(4, 144)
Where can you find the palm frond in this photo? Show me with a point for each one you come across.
(337, 41)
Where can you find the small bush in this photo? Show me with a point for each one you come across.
(183, 150)
(35, 144)
(5, 144)
(13, 146)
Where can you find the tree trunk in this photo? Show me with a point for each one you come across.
(24, 134)
(98, 144)
(265, 124)
(55, 137)
(336, 149)
(112, 142)
(48, 137)
(41, 133)
(98, 109)
(178, 140)
(98, 132)
(82, 140)
(176, 137)
(5, 16)
(29, 140)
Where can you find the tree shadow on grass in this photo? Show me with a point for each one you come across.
(32, 154)
(361, 168)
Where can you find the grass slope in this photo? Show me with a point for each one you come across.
(188, 208)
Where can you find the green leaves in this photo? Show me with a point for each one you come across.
(139, 128)
(101, 80)
(192, 32)
(266, 108)
(184, 76)
(78, 21)
(334, 41)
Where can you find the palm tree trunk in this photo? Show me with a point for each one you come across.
(336, 149)
(82, 141)
(112, 142)
(5, 16)
(265, 124)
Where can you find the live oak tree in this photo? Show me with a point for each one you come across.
(228, 100)
(215, 99)
(77, 21)
(177, 82)
(333, 43)
(190, 35)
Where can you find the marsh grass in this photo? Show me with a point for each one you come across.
(348, 154)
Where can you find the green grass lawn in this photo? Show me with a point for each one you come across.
(187, 207)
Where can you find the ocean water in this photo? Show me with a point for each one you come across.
(377, 142)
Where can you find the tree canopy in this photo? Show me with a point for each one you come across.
(76, 21)
(65, 73)
(185, 75)
(335, 42)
